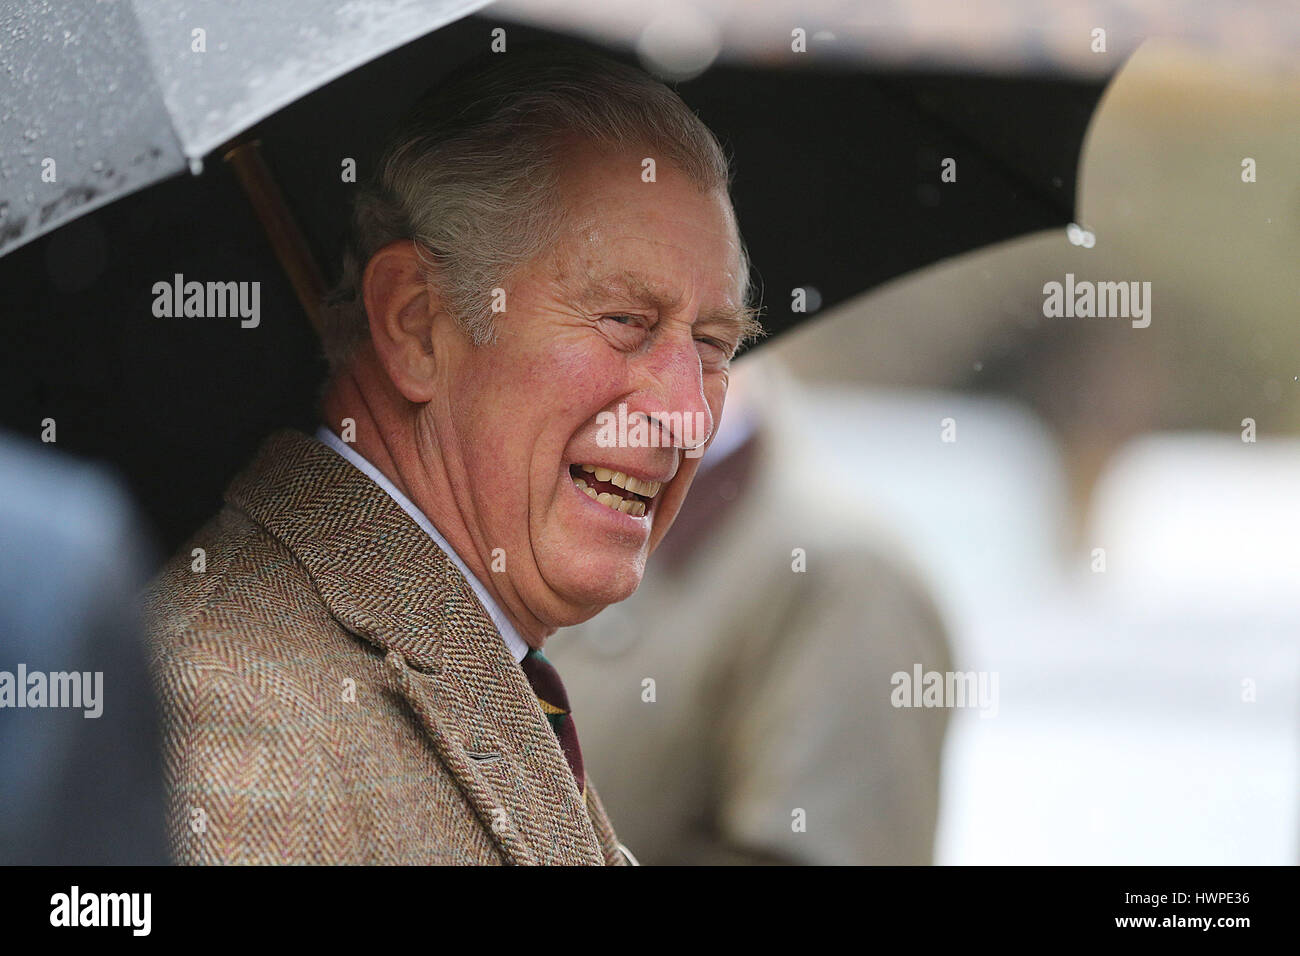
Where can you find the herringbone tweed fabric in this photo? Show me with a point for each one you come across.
(333, 691)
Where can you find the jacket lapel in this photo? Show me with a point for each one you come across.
(386, 581)
(609, 845)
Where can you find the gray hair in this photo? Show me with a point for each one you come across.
(471, 175)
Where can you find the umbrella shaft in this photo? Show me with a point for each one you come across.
(245, 158)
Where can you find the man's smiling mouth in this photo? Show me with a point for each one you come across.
(614, 489)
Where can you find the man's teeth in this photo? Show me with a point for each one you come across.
(626, 505)
(647, 489)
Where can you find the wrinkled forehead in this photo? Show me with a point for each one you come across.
(652, 253)
(611, 209)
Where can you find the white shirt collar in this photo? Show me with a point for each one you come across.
(514, 642)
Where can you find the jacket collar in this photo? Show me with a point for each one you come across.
(384, 579)
(379, 574)
(518, 648)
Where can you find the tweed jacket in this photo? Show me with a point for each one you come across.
(333, 691)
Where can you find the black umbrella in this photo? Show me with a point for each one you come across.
(840, 185)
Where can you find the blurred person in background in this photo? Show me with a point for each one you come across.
(743, 692)
(80, 766)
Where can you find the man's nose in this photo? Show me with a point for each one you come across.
(673, 397)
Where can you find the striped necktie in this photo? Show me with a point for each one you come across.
(549, 689)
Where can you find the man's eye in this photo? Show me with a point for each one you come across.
(721, 348)
(625, 330)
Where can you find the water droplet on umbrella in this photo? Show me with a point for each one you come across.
(1079, 236)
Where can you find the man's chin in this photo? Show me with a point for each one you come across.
(589, 595)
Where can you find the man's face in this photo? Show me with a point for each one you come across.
(638, 305)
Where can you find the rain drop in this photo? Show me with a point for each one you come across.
(1079, 236)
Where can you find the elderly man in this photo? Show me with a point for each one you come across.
(349, 654)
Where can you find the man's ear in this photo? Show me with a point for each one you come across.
(401, 308)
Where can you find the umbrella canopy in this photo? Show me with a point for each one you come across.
(104, 98)
(839, 185)
(991, 35)
(839, 181)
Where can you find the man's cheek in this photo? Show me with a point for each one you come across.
(584, 372)
(716, 398)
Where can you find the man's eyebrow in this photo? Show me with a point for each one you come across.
(627, 284)
(741, 320)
